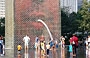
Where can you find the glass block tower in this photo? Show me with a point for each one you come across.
(21, 20)
(27, 12)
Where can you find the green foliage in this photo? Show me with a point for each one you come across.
(2, 26)
(76, 22)
(64, 22)
(85, 13)
(69, 24)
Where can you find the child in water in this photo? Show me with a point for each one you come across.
(71, 50)
(19, 47)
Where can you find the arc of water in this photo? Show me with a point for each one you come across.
(46, 28)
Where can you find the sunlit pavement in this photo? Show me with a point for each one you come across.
(54, 53)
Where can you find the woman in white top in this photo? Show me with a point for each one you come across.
(86, 42)
(89, 41)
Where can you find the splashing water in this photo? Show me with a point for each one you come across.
(39, 20)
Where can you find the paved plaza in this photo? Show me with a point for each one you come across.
(54, 53)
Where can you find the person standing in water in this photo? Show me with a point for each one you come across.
(26, 40)
(37, 43)
(74, 43)
(19, 48)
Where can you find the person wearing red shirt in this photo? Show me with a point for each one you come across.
(71, 40)
(74, 44)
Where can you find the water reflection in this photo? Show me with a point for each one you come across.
(71, 55)
(88, 53)
(26, 55)
(36, 54)
(54, 53)
(19, 56)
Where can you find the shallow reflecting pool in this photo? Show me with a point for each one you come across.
(54, 53)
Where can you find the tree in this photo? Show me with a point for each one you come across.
(2, 26)
(73, 23)
(85, 13)
(64, 22)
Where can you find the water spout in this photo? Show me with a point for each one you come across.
(39, 20)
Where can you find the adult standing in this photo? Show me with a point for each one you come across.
(86, 43)
(74, 44)
(88, 50)
(26, 40)
(88, 40)
(1, 46)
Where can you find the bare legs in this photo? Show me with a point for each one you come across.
(26, 51)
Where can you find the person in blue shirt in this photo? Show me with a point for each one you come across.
(51, 43)
(36, 39)
(37, 43)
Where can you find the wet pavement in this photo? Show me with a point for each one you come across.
(54, 53)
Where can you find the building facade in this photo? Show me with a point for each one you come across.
(80, 2)
(88, 0)
(69, 5)
(2, 8)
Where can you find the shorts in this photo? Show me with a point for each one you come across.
(19, 51)
(26, 44)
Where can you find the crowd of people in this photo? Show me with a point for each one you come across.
(46, 47)
(42, 45)
(54, 44)
(74, 45)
